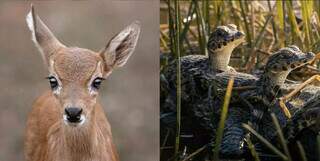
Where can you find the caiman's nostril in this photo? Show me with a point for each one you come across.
(310, 55)
(73, 114)
(239, 34)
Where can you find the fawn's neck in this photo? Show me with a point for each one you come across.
(220, 60)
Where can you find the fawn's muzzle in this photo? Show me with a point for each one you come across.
(73, 114)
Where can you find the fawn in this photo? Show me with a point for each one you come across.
(67, 123)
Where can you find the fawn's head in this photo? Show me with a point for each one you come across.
(75, 74)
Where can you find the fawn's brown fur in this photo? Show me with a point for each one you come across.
(50, 137)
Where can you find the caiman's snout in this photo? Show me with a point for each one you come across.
(237, 38)
(307, 58)
(225, 37)
(73, 114)
(240, 34)
(310, 56)
(302, 60)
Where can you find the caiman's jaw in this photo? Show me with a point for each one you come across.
(282, 62)
(221, 43)
(278, 68)
(282, 71)
(288, 59)
(302, 60)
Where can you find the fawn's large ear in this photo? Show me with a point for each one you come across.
(43, 38)
(120, 47)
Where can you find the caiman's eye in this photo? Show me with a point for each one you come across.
(53, 82)
(219, 33)
(96, 83)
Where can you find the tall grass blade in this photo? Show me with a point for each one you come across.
(318, 143)
(246, 23)
(191, 11)
(195, 153)
(280, 135)
(252, 148)
(295, 31)
(234, 15)
(284, 23)
(204, 33)
(310, 14)
(262, 31)
(200, 39)
(206, 8)
(316, 7)
(222, 120)
(177, 49)
(265, 142)
(302, 152)
(217, 5)
(274, 29)
(202, 36)
(171, 28)
(252, 20)
(306, 15)
(280, 16)
(280, 20)
(201, 30)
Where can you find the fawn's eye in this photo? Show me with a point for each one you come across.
(96, 83)
(53, 82)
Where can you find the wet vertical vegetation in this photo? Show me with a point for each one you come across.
(268, 25)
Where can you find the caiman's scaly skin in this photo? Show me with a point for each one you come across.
(254, 103)
(202, 83)
(221, 43)
(304, 127)
(304, 95)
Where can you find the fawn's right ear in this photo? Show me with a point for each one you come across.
(43, 38)
(120, 47)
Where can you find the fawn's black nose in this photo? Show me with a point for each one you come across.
(73, 114)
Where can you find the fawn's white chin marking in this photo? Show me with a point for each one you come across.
(74, 124)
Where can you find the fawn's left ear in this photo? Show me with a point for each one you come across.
(120, 47)
(43, 38)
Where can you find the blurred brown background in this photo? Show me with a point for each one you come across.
(130, 94)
